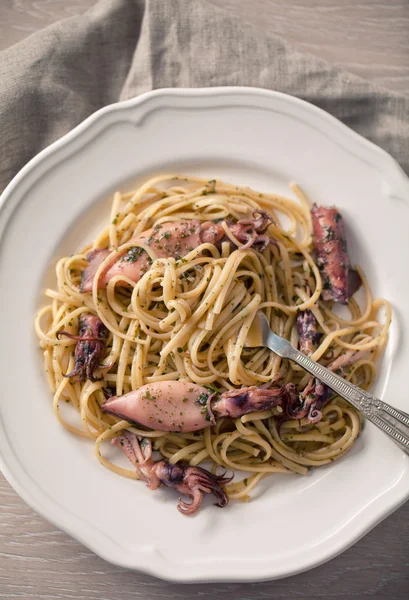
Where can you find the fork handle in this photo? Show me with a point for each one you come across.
(392, 421)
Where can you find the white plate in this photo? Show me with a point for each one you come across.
(250, 136)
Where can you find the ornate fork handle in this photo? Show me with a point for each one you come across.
(392, 421)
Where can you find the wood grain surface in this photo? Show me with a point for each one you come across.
(367, 37)
(39, 562)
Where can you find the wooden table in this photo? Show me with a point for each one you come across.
(367, 37)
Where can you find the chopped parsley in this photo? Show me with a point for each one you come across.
(211, 387)
(212, 187)
(133, 254)
(329, 233)
(202, 401)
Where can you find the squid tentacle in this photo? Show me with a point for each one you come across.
(193, 482)
(90, 346)
(251, 232)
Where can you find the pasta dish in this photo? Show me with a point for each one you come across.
(145, 335)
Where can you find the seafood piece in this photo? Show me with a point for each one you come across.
(90, 346)
(176, 239)
(308, 335)
(186, 407)
(193, 482)
(249, 232)
(315, 395)
(95, 258)
(348, 358)
(165, 405)
(236, 403)
(339, 280)
(309, 402)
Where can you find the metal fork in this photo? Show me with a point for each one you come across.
(390, 420)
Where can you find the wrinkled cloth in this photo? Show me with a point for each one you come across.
(120, 48)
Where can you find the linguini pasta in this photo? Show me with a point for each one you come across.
(187, 319)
